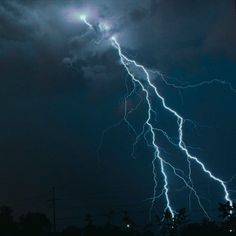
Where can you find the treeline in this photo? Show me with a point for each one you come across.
(37, 224)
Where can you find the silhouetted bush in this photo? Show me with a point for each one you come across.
(37, 224)
(34, 224)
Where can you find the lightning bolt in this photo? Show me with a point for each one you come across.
(84, 19)
(148, 88)
(188, 86)
(180, 119)
(157, 155)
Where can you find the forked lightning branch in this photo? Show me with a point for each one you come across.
(140, 77)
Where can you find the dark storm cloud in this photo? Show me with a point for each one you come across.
(174, 31)
(138, 14)
(222, 36)
(84, 46)
(186, 30)
(20, 20)
(182, 33)
(59, 89)
(153, 6)
(16, 22)
(166, 33)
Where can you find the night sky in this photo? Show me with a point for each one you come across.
(59, 91)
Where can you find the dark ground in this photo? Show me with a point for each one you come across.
(39, 225)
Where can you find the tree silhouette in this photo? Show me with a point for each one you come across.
(130, 227)
(110, 216)
(88, 219)
(227, 213)
(7, 224)
(226, 210)
(129, 223)
(148, 230)
(71, 231)
(167, 223)
(179, 220)
(34, 223)
(90, 229)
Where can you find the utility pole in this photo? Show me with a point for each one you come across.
(53, 201)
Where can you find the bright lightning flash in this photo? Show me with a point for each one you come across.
(84, 19)
(135, 71)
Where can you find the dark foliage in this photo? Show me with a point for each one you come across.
(39, 225)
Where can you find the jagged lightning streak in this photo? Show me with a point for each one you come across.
(157, 155)
(126, 62)
(180, 122)
(188, 86)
